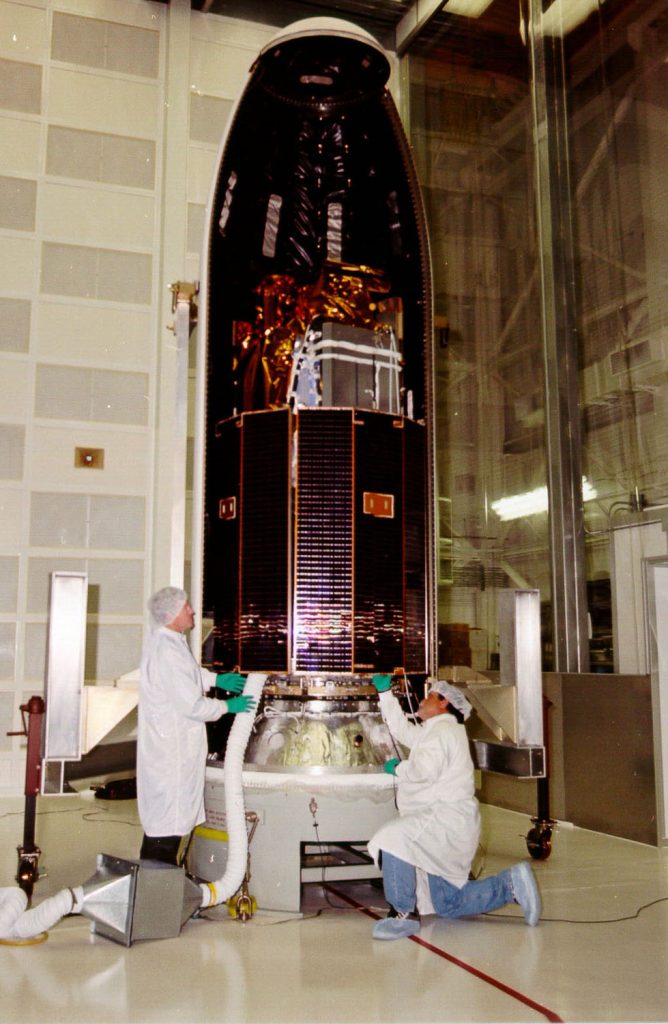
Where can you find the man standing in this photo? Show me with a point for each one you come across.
(171, 737)
(426, 853)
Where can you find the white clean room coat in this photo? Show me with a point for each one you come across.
(171, 736)
(438, 828)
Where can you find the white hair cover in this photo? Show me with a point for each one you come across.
(454, 697)
(166, 604)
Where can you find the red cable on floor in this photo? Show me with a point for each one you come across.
(548, 1014)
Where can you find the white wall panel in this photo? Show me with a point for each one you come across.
(20, 149)
(192, 267)
(15, 390)
(82, 133)
(117, 522)
(62, 392)
(195, 227)
(18, 199)
(111, 651)
(103, 103)
(201, 167)
(231, 31)
(39, 579)
(71, 393)
(12, 444)
(99, 156)
(127, 459)
(208, 118)
(34, 652)
(58, 520)
(92, 334)
(116, 586)
(18, 264)
(96, 273)
(104, 44)
(9, 581)
(146, 13)
(219, 72)
(7, 649)
(6, 719)
(15, 320)
(20, 86)
(97, 217)
(24, 32)
(12, 517)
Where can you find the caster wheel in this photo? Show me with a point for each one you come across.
(539, 843)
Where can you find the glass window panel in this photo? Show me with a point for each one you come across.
(471, 131)
(617, 82)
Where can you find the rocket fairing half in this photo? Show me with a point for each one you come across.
(316, 309)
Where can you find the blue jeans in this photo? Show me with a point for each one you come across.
(399, 883)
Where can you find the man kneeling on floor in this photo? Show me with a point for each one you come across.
(426, 853)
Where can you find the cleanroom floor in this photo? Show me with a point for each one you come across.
(599, 953)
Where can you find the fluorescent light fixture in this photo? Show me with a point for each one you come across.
(467, 8)
(532, 502)
(562, 16)
(422, 11)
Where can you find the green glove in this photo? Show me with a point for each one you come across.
(238, 704)
(230, 681)
(391, 766)
(382, 683)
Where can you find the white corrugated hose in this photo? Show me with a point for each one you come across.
(214, 893)
(18, 924)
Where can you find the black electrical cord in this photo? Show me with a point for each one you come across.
(608, 920)
(85, 815)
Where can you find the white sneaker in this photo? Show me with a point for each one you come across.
(525, 892)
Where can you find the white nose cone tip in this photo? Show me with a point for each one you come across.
(336, 27)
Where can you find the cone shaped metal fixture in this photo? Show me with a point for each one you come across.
(129, 900)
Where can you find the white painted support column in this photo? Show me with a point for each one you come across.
(169, 497)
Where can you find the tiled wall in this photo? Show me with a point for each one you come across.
(89, 146)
